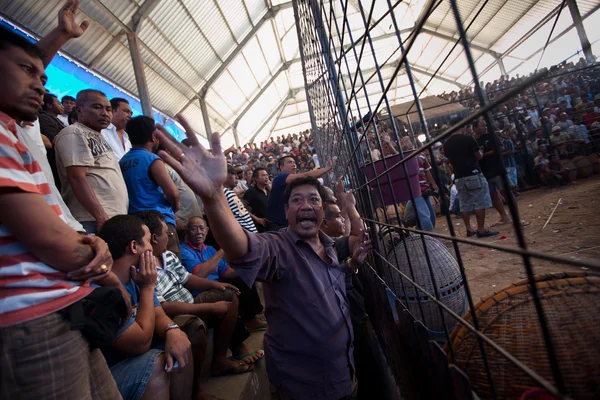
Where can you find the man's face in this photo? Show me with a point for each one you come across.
(96, 112)
(161, 240)
(57, 107)
(333, 224)
(231, 180)
(22, 84)
(304, 211)
(289, 165)
(121, 115)
(481, 128)
(196, 231)
(563, 117)
(146, 243)
(248, 176)
(68, 106)
(262, 178)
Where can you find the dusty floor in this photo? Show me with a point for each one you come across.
(573, 232)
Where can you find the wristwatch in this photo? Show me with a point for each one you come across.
(171, 326)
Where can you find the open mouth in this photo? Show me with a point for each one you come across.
(307, 222)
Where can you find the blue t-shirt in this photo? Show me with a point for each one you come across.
(112, 356)
(144, 193)
(275, 206)
(192, 256)
(509, 161)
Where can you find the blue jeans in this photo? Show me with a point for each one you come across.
(426, 212)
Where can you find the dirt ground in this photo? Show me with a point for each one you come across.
(573, 232)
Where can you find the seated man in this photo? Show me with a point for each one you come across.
(146, 348)
(217, 304)
(206, 262)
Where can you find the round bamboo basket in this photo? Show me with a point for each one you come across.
(585, 168)
(571, 302)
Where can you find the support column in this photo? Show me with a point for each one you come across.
(501, 65)
(578, 22)
(140, 77)
(205, 117)
(236, 138)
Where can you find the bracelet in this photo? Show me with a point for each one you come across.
(171, 326)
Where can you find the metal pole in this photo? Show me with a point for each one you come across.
(205, 116)
(140, 77)
(501, 65)
(578, 22)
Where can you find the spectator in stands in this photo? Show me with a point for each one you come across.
(257, 197)
(473, 193)
(275, 207)
(508, 157)
(217, 304)
(68, 103)
(142, 357)
(92, 183)
(564, 122)
(244, 183)
(188, 203)
(559, 139)
(206, 262)
(115, 133)
(308, 343)
(490, 168)
(50, 126)
(46, 257)
(235, 204)
(149, 185)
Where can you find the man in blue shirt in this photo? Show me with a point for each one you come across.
(149, 185)
(150, 345)
(275, 207)
(206, 262)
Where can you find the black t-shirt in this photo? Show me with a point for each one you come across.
(460, 149)
(487, 163)
(257, 200)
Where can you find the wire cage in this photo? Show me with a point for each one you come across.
(417, 293)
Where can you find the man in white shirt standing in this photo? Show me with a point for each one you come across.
(68, 103)
(115, 134)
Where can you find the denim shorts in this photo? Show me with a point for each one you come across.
(133, 374)
(473, 193)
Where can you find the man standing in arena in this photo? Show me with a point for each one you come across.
(92, 183)
(473, 193)
(41, 258)
(308, 344)
(275, 207)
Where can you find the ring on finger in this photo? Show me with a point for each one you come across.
(103, 268)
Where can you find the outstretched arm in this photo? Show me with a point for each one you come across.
(66, 30)
(317, 173)
(205, 173)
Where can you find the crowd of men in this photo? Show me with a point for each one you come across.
(107, 285)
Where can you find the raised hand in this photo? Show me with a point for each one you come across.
(66, 20)
(202, 170)
(146, 274)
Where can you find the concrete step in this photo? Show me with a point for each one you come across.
(250, 386)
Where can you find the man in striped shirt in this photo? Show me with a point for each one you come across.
(235, 204)
(41, 258)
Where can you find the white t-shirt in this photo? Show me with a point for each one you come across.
(64, 119)
(114, 141)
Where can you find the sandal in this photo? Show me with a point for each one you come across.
(487, 233)
(260, 328)
(471, 233)
(252, 353)
(238, 369)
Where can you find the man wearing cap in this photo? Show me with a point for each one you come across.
(235, 204)
(559, 139)
(564, 122)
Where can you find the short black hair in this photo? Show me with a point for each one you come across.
(153, 220)
(281, 160)
(328, 211)
(82, 96)
(140, 129)
(119, 231)
(66, 98)
(257, 170)
(73, 117)
(115, 102)
(48, 100)
(9, 38)
(307, 180)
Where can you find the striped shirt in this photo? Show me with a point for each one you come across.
(239, 211)
(29, 288)
(171, 278)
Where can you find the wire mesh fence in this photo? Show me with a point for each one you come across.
(531, 335)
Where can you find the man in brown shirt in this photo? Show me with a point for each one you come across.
(92, 183)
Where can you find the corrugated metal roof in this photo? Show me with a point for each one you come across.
(184, 42)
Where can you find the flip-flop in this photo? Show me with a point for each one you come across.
(260, 328)
(487, 233)
(500, 223)
(471, 233)
(243, 356)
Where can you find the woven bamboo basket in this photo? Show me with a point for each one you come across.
(571, 302)
(447, 278)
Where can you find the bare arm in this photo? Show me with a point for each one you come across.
(317, 173)
(42, 232)
(47, 142)
(478, 155)
(175, 308)
(66, 30)
(160, 175)
(206, 268)
(137, 338)
(195, 282)
(225, 228)
(85, 194)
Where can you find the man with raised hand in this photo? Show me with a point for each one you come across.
(308, 344)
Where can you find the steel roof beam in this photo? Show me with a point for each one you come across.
(279, 109)
(142, 13)
(455, 39)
